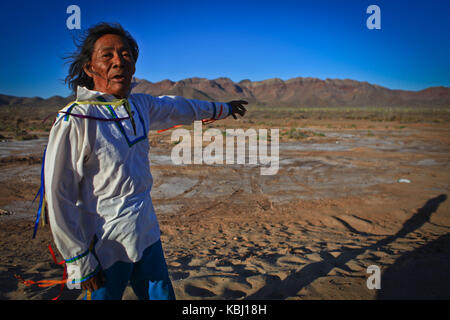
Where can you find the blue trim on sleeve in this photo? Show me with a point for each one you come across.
(90, 275)
(78, 257)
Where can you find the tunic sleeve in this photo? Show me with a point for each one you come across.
(63, 170)
(168, 111)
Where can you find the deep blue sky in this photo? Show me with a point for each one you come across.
(242, 39)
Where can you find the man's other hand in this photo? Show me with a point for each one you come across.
(94, 283)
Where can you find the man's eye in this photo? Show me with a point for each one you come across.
(106, 55)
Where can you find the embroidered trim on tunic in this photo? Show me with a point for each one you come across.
(78, 257)
(115, 118)
(90, 275)
(122, 129)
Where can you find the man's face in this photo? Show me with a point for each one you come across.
(112, 65)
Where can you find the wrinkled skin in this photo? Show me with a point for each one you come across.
(112, 66)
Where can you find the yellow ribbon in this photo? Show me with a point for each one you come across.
(116, 104)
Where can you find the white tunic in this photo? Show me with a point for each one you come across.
(98, 180)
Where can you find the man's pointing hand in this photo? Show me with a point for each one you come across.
(237, 107)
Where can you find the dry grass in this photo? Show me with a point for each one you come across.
(25, 122)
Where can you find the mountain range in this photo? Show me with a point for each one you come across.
(298, 92)
(295, 92)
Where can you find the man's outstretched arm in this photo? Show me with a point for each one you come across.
(168, 111)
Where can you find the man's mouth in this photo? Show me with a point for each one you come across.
(119, 78)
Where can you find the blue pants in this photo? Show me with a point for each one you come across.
(148, 277)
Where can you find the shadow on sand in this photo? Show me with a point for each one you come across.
(423, 273)
(400, 274)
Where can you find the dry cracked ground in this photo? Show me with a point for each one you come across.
(343, 199)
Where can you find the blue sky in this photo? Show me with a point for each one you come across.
(243, 39)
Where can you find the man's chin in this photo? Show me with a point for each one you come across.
(120, 90)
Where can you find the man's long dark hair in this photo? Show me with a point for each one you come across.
(85, 48)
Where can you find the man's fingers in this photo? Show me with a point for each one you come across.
(86, 286)
(238, 111)
(237, 107)
(242, 110)
(96, 286)
(98, 281)
(95, 283)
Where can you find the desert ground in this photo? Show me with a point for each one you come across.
(349, 194)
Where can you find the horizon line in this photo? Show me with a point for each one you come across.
(224, 77)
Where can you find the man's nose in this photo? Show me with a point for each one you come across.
(118, 60)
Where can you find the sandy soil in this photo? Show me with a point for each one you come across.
(334, 208)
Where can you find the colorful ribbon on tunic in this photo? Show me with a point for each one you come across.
(41, 194)
(115, 103)
(48, 283)
(93, 118)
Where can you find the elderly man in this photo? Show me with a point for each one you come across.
(97, 173)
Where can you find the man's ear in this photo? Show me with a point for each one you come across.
(87, 70)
